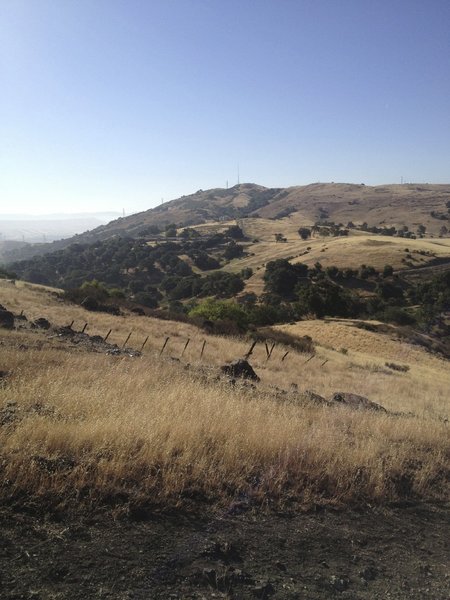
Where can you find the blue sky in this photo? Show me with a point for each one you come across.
(116, 104)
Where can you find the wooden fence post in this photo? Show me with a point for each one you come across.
(249, 353)
(203, 347)
(84, 328)
(308, 359)
(270, 351)
(129, 335)
(107, 335)
(284, 356)
(164, 345)
(186, 345)
(145, 341)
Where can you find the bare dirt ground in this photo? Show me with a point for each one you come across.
(395, 553)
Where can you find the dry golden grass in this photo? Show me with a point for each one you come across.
(92, 428)
(343, 252)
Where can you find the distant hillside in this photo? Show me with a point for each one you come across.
(397, 206)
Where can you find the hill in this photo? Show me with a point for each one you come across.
(136, 455)
(399, 206)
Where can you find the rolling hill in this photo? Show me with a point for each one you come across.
(407, 205)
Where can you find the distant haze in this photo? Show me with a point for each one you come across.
(47, 228)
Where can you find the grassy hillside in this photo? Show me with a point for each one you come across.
(82, 426)
(343, 252)
(408, 205)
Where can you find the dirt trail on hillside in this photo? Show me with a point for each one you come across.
(398, 553)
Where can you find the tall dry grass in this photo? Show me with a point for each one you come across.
(90, 429)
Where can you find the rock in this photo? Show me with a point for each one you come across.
(356, 401)
(6, 319)
(240, 368)
(368, 573)
(263, 591)
(42, 323)
(66, 330)
(223, 551)
(340, 584)
(316, 398)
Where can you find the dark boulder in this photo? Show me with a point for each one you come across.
(355, 401)
(42, 323)
(240, 369)
(6, 319)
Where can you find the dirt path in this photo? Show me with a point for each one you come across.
(400, 553)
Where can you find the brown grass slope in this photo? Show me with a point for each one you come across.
(85, 428)
(386, 205)
(389, 205)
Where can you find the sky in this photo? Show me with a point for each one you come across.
(118, 104)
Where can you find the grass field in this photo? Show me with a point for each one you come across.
(91, 428)
(343, 252)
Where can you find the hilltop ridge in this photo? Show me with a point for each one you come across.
(385, 205)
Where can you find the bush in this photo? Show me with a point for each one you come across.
(394, 314)
(146, 299)
(304, 233)
(221, 310)
(235, 232)
(233, 250)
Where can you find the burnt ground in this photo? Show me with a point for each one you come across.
(395, 553)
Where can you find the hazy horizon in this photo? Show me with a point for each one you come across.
(107, 106)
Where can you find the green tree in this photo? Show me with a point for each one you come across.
(281, 277)
(304, 233)
(221, 310)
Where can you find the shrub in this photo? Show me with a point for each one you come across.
(146, 299)
(233, 250)
(235, 232)
(394, 314)
(221, 310)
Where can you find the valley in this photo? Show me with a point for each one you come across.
(142, 457)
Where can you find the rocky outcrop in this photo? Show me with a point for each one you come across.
(6, 319)
(355, 401)
(240, 369)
